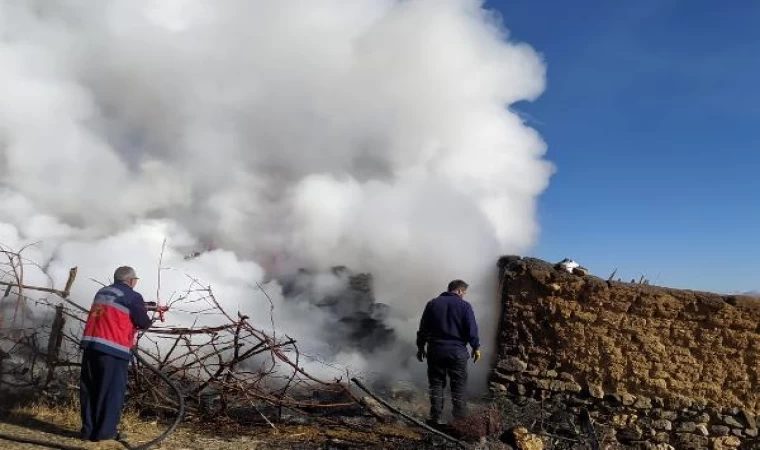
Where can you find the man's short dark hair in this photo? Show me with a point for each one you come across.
(457, 284)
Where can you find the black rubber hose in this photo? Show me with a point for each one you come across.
(180, 399)
(39, 442)
(408, 417)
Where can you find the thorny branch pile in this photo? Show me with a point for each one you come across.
(231, 366)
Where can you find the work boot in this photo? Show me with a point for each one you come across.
(120, 436)
(435, 422)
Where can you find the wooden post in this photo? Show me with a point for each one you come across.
(54, 343)
(70, 281)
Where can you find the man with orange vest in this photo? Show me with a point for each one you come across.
(117, 312)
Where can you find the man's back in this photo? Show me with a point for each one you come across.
(448, 320)
(447, 326)
(116, 311)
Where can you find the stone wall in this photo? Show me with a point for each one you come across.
(655, 365)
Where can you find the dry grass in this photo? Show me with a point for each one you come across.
(67, 415)
(60, 424)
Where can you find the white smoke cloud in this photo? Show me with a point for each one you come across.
(373, 133)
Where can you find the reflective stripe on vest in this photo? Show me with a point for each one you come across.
(109, 323)
(106, 342)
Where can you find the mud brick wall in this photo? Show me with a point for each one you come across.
(659, 365)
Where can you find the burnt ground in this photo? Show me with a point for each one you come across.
(356, 428)
(59, 426)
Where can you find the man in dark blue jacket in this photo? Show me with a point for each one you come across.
(447, 326)
(117, 312)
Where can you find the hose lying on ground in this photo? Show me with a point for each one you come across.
(147, 445)
(408, 417)
(180, 409)
(38, 442)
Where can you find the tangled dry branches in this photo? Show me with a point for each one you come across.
(222, 368)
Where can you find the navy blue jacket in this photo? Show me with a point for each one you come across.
(448, 320)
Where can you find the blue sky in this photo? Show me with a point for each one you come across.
(652, 117)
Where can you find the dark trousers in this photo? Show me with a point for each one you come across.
(101, 394)
(452, 363)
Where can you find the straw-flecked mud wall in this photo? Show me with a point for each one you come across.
(654, 364)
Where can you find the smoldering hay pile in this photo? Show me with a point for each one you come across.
(270, 137)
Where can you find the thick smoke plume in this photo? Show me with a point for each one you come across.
(374, 134)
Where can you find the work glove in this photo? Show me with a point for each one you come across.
(475, 356)
(421, 354)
